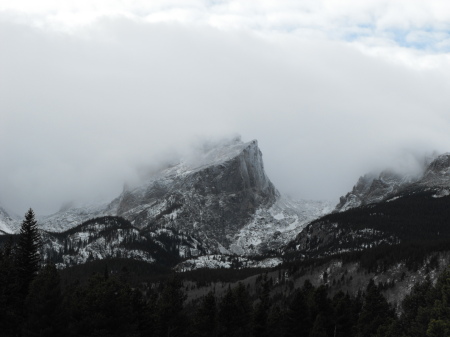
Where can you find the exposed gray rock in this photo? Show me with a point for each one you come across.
(8, 223)
(390, 184)
(221, 196)
(212, 201)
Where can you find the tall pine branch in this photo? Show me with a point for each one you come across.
(28, 250)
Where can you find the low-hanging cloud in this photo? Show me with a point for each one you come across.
(81, 113)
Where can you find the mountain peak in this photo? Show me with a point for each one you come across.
(217, 154)
(213, 192)
(440, 165)
(435, 174)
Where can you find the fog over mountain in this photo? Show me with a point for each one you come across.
(92, 98)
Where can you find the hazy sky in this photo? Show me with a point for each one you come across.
(92, 91)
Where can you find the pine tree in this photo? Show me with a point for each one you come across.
(227, 311)
(171, 320)
(10, 299)
(205, 320)
(102, 308)
(318, 329)
(276, 322)
(28, 251)
(235, 312)
(375, 312)
(261, 312)
(45, 315)
(344, 317)
(298, 322)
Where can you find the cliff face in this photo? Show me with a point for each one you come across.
(211, 198)
(437, 173)
(8, 224)
(390, 209)
(389, 184)
(220, 195)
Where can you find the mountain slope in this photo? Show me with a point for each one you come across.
(212, 198)
(8, 223)
(222, 196)
(391, 212)
(372, 189)
(114, 237)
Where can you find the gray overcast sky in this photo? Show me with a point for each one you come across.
(91, 91)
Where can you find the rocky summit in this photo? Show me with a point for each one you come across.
(370, 188)
(221, 197)
(212, 197)
(387, 210)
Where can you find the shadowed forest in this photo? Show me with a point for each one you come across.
(35, 302)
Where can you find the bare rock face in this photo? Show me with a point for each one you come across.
(212, 197)
(389, 209)
(438, 172)
(356, 197)
(221, 196)
(389, 184)
(371, 189)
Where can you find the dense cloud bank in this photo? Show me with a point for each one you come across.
(85, 109)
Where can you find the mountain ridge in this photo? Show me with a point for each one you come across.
(372, 188)
(220, 195)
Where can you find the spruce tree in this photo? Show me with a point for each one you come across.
(171, 320)
(10, 299)
(261, 312)
(28, 251)
(227, 312)
(205, 319)
(298, 321)
(45, 314)
(375, 312)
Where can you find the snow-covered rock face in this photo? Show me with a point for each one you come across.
(114, 237)
(222, 197)
(227, 262)
(438, 172)
(271, 228)
(68, 218)
(8, 223)
(370, 189)
(356, 196)
(212, 198)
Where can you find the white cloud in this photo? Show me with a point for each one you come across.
(92, 90)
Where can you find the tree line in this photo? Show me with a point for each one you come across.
(34, 302)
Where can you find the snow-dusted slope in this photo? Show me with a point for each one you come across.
(71, 217)
(371, 189)
(224, 261)
(390, 209)
(222, 196)
(437, 174)
(114, 237)
(390, 184)
(8, 223)
(212, 196)
(271, 228)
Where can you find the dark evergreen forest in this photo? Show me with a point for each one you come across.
(39, 300)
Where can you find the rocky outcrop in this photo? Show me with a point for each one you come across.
(8, 223)
(356, 197)
(221, 196)
(371, 189)
(437, 173)
(390, 184)
(212, 198)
